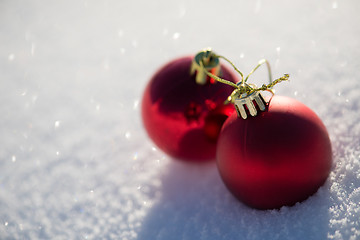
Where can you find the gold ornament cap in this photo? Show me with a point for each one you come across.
(205, 61)
(246, 102)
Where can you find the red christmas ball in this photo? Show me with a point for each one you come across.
(275, 159)
(180, 115)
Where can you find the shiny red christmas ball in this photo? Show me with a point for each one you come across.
(278, 158)
(183, 117)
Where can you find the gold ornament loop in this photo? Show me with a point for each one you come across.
(244, 95)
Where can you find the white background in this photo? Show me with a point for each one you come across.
(75, 161)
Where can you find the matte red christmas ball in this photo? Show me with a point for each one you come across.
(277, 158)
(184, 117)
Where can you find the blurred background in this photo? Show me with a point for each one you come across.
(75, 161)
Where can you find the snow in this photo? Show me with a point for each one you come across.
(75, 161)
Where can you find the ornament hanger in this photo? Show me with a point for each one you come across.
(245, 95)
(204, 61)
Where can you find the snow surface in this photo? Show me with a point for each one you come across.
(75, 161)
